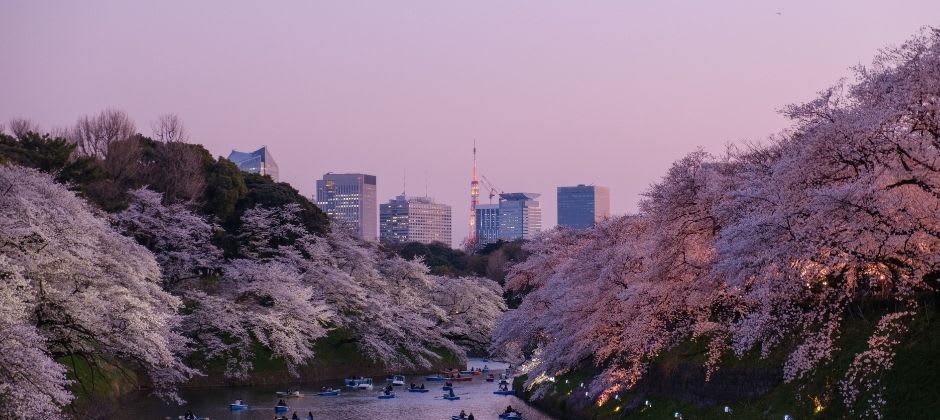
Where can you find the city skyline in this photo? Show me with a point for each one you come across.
(550, 100)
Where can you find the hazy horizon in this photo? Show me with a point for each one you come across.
(605, 93)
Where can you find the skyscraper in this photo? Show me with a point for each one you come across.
(415, 219)
(258, 162)
(350, 199)
(581, 206)
(487, 224)
(520, 216)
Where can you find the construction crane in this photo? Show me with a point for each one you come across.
(489, 186)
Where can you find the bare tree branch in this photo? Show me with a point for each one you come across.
(170, 128)
(22, 126)
(94, 134)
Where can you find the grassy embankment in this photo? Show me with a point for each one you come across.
(336, 357)
(912, 389)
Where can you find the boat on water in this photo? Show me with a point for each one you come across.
(505, 392)
(387, 396)
(238, 406)
(418, 390)
(451, 397)
(467, 372)
(280, 408)
(513, 415)
(435, 378)
(328, 393)
(461, 379)
(183, 417)
(491, 378)
(289, 394)
(397, 380)
(359, 383)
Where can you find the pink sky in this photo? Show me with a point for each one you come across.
(555, 93)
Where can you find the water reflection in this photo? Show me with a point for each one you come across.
(475, 397)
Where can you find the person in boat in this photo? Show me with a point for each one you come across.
(310, 415)
(281, 403)
(470, 417)
(463, 414)
(509, 410)
(503, 386)
(413, 386)
(422, 386)
(388, 390)
(448, 383)
(189, 416)
(322, 389)
(451, 393)
(294, 417)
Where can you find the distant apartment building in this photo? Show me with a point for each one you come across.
(258, 162)
(350, 200)
(520, 216)
(581, 206)
(414, 219)
(487, 223)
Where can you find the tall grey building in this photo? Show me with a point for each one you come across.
(258, 162)
(351, 200)
(414, 219)
(581, 206)
(487, 223)
(520, 216)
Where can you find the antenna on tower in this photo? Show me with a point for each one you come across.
(425, 183)
(404, 181)
(474, 158)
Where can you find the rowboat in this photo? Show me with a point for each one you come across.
(289, 394)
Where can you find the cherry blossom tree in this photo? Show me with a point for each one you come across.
(768, 244)
(289, 287)
(472, 306)
(80, 291)
(247, 301)
(263, 302)
(181, 240)
(386, 303)
(31, 382)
